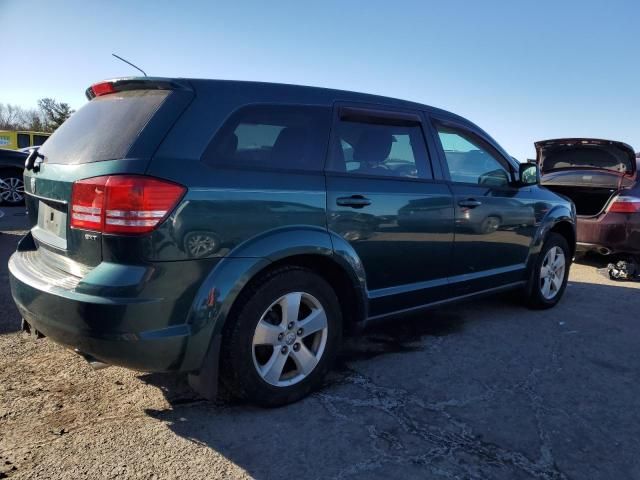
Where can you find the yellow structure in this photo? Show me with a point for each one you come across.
(15, 139)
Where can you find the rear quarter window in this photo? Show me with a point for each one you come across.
(292, 137)
(103, 129)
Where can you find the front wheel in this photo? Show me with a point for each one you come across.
(548, 280)
(282, 337)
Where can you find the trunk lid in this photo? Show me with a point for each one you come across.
(115, 133)
(580, 154)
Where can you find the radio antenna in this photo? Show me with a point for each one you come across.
(129, 63)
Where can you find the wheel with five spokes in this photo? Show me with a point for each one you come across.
(281, 337)
(550, 273)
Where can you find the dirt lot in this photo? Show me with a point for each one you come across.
(480, 390)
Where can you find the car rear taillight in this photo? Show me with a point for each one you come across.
(625, 204)
(122, 203)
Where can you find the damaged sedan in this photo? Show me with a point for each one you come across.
(600, 177)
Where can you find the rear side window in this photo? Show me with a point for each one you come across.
(104, 128)
(272, 137)
(381, 150)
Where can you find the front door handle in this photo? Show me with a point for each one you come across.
(470, 203)
(354, 201)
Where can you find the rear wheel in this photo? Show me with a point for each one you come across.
(11, 187)
(550, 273)
(282, 339)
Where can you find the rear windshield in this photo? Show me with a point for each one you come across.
(104, 128)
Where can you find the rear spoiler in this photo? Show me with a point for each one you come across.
(134, 83)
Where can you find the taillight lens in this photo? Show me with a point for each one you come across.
(102, 88)
(87, 203)
(625, 204)
(122, 203)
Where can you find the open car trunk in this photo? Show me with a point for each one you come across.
(590, 172)
(589, 202)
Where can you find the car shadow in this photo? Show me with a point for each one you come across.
(592, 259)
(379, 339)
(9, 318)
(228, 425)
(327, 433)
(596, 260)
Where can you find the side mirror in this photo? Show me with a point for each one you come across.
(528, 174)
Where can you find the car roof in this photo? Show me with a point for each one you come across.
(327, 94)
(246, 91)
(317, 95)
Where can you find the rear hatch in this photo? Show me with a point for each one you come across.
(588, 171)
(115, 133)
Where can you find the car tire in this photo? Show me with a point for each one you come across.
(11, 188)
(548, 279)
(268, 358)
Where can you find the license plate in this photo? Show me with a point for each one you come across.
(53, 219)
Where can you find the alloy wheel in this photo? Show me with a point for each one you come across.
(289, 339)
(11, 190)
(552, 272)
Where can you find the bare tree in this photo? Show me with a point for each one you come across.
(10, 117)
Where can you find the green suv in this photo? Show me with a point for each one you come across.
(237, 230)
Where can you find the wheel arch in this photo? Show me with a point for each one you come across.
(560, 219)
(344, 282)
(308, 247)
(568, 231)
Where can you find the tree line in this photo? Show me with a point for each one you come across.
(48, 116)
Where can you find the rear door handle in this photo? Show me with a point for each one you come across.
(470, 203)
(354, 201)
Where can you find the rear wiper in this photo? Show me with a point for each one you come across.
(34, 160)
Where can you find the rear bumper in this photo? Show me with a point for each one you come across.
(131, 331)
(609, 233)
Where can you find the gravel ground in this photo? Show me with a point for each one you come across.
(478, 390)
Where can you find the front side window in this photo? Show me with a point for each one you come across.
(379, 149)
(470, 159)
(272, 137)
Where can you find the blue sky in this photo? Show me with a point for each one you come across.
(523, 71)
